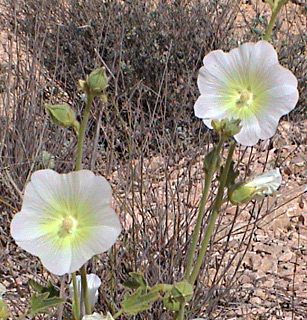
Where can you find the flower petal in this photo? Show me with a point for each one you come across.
(26, 226)
(41, 190)
(249, 134)
(98, 240)
(208, 107)
(267, 183)
(55, 256)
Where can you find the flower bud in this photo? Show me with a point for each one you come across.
(265, 184)
(48, 160)
(61, 114)
(227, 127)
(97, 81)
(240, 193)
(93, 283)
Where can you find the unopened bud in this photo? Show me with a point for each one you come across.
(227, 127)
(61, 114)
(97, 81)
(240, 193)
(265, 184)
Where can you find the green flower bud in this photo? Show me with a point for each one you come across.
(61, 114)
(97, 81)
(227, 127)
(240, 193)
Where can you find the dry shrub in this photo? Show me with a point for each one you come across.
(145, 140)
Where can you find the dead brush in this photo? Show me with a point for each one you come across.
(145, 139)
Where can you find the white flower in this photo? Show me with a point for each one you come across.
(267, 183)
(66, 219)
(248, 84)
(97, 316)
(93, 283)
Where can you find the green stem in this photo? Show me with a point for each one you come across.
(80, 141)
(88, 309)
(201, 210)
(208, 180)
(277, 5)
(76, 301)
(82, 132)
(214, 214)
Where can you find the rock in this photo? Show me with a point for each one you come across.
(260, 293)
(286, 256)
(269, 265)
(256, 300)
(269, 283)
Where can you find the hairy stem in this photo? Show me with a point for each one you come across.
(201, 211)
(82, 132)
(88, 309)
(76, 301)
(204, 244)
(277, 5)
(81, 136)
(213, 216)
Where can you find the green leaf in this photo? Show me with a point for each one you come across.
(136, 282)
(182, 291)
(138, 301)
(37, 287)
(170, 303)
(211, 158)
(162, 287)
(41, 303)
(232, 175)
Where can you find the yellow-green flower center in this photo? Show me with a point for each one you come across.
(68, 226)
(245, 98)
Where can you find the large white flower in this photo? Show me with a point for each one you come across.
(66, 219)
(248, 84)
(93, 284)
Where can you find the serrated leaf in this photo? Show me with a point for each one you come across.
(170, 303)
(41, 303)
(232, 175)
(162, 287)
(53, 292)
(138, 301)
(136, 282)
(182, 291)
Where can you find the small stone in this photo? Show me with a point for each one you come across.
(247, 286)
(269, 265)
(269, 283)
(256, 300)
(286, 256)
(260, 293)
